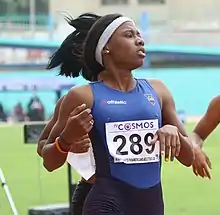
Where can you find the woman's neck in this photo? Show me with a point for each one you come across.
(119, 79)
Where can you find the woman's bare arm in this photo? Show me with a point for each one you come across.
(208, 123)
(71, 105)
(45, 133)
(186, 155)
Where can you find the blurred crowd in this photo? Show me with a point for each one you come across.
(35, 112)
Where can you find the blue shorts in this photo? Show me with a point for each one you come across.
(114, 197)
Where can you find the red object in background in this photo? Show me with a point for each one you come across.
(33, 54)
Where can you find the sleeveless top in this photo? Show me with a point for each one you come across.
(125, 122)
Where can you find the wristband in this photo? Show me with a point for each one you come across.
(57, 144)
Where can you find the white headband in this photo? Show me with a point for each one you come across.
(106, 35)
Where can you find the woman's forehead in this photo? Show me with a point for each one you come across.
(127, 25)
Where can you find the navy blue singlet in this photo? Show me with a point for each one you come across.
(127, 166)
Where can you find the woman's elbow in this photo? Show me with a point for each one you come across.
(39, 151)
(49, 168)
(52, 159)
(40, 146)
(50, 164)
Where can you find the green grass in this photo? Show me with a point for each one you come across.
(31, 185)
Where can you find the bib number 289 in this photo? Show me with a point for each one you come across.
(136, 147)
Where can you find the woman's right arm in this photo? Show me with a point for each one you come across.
(208, 123)
(70, 125)
(47, 129)
(203, 129)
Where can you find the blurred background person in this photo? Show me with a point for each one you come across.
(18, 113)
(35, 109)
(3, 115)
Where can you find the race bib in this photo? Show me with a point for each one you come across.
(129, 142)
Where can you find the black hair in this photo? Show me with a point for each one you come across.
(91, 41)
(68, 56)
(76, 55)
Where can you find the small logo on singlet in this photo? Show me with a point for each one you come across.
(150, 98)
(114, 102)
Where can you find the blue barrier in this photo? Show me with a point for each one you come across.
(29, 43)
(192, 88)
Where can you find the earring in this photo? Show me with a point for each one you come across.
(106, 51)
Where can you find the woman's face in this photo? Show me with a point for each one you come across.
(126, 47)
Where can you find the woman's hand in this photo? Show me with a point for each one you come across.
(79, 124)
(201, 164)
(168, 136)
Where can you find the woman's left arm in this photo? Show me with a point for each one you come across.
(169, 117)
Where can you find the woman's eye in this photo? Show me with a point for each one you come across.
(129, 35)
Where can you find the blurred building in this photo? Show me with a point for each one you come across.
(160, 10)
(176, 22)
(171, 21)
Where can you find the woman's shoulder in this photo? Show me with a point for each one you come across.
(79, 89)
(80, 94)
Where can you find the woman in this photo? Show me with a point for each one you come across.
(128, 121)
(84, 186)
(203, 129)
(63, 57)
